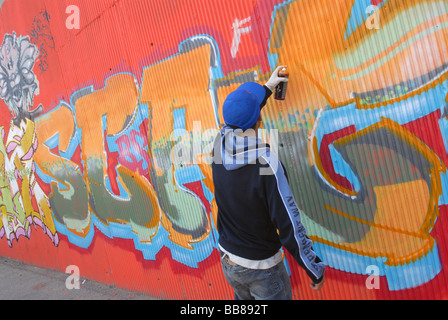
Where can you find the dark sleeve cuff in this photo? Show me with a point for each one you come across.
(318, 280)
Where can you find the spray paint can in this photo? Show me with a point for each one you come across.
(280, 90)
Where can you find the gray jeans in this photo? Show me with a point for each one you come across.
(251, 284)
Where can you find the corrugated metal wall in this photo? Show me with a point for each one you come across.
(99, 98)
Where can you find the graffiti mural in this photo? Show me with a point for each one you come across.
(114, 160)
(23, 201)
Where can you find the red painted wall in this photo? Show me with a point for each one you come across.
(92, 93)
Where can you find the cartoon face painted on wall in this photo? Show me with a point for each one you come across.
(18, 83)
(22, 200)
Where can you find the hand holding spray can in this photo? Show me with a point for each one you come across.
(280, 90)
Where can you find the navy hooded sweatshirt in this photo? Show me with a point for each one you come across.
(257, 213)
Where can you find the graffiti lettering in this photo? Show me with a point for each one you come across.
(237, 32)
(41, 36)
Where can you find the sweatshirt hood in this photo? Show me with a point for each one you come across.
(236, 151)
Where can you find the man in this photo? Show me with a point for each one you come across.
(257, 214)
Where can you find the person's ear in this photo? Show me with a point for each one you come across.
(260, 122)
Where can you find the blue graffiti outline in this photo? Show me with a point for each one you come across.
(189, 257)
